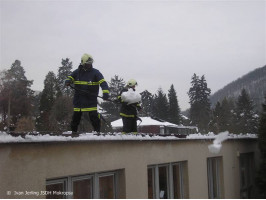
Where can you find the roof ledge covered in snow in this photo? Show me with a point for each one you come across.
(90, 137)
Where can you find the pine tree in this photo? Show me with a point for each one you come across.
(205, 104)
(194, 100)
(61, 114)
(222, 117)
(47, 100)
(146, 102)
(226, 118)
(16, 88)
(200, 104)
(160, 105)
(63, 72)
(115, 87)
(215, 123)
(58, 109)
(4, 91)
(246, 118)
(261, 175)
(174, 109)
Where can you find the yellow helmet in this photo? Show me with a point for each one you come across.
(86, 59)
(132, 83)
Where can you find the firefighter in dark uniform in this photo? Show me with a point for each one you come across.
(86, 78)
(128, 112)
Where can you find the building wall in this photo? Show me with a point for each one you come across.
(27, 166)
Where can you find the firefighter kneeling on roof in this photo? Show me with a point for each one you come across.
(130, 105)
(87, 81)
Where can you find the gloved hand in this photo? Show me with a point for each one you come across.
(105, 96)
(67, 82)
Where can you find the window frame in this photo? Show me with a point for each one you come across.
(97, 183)
(69, 183)
(153, 181)
(80, 178)
(181, 179)
(218, 161)
(246, 162)
(64, 181)
(170, 179)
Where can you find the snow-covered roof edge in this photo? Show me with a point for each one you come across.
(87, 137)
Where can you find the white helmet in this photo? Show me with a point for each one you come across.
(132, 83)
(86, 59)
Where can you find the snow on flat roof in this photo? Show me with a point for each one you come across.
(146, 121)
(7, 138)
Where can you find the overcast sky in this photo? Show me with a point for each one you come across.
(158, 43)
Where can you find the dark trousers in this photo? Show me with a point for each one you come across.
(129, 124)
(94, 118)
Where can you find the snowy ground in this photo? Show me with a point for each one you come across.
(6, 138)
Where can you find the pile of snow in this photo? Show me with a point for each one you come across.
(146, 121)
(217, 143)
(131, 96)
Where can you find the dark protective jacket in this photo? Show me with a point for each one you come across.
(89, 81)
(128, 110)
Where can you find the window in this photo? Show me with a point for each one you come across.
(151, 182)
(167, 181)
(97, 185)
(214, 172)
(82, 187)
(163, 182)
(55, 189)
(107, 187)
(246, 175)
(178, 181)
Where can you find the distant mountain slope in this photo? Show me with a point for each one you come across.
(254, 82)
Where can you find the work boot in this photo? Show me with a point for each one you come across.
(74, 130)
(74, 134)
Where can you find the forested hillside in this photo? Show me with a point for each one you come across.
(254, 83)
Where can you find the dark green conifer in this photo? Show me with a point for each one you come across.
(160, 107)
(246, 118)
(174, 109)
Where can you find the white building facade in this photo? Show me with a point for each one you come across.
(127, 167)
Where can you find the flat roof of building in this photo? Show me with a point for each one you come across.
(67, 136)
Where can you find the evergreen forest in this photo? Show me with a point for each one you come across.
(254, 83)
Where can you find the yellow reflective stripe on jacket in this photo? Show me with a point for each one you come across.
(70, 78)
(105, 91)
(125, 115)
(85, 83)
(88, 83)
(81, 82)
(101, 81)
(85, 109)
